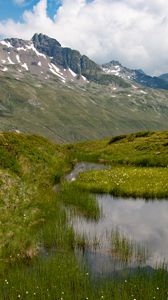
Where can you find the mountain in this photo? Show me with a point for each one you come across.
(58, 93)
(43, 55)
(164, 77)
(138, 76)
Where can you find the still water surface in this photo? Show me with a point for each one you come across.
(143, 222)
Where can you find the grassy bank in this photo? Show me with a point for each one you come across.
(148, 149)
(127, 182)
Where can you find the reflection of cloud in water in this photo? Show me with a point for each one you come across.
(144, 222)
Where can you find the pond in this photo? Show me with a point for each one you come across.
(129, 233)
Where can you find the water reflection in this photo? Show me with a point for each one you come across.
(145, 223)
(83, 167)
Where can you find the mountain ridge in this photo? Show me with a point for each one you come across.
(80, 66)
(39, 96)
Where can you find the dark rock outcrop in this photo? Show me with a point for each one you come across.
(65, 57)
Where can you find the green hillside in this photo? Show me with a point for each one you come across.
(144, 148)
(73, 112)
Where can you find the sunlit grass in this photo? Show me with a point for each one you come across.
(141, 149)
(127, 182)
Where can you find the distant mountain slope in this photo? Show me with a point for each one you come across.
(164, 77)
(138, 76)
(58, 93)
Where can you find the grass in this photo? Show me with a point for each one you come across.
(148, 149)
(126, 250)
(26, 197)
(81, 200)
(37, 257)
(148, 183)
(47, 108)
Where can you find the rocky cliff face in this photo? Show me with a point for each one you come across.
(65, 57)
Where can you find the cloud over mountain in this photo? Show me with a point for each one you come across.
(134, 32)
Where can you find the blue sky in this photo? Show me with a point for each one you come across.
(131, 31)
(14, 9)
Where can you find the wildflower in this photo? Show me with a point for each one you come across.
(19, 296)
(27, 292)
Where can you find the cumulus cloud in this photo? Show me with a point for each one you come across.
(133, 32)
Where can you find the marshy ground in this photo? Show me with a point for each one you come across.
(38, 244)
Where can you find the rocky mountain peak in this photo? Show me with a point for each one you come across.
(17, 42)
(43, 55)
(64, 57)
(44, 40)
(112, 63)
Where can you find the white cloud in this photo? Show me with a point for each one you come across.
(134, 32)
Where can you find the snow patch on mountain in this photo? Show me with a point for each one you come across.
(56, 69)
(31, 47)
(5, 69)
(21, 49)
(7, 44)
(10, 61)
(72, 73)
(53, 70)
(18, 59)
(25, 67)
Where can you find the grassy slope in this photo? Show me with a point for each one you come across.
(140, 149)
(139, 165)
(32, 220)
(74, 112)
(30, 166)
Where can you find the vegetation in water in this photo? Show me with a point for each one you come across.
(126, 250)
(79, 199)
